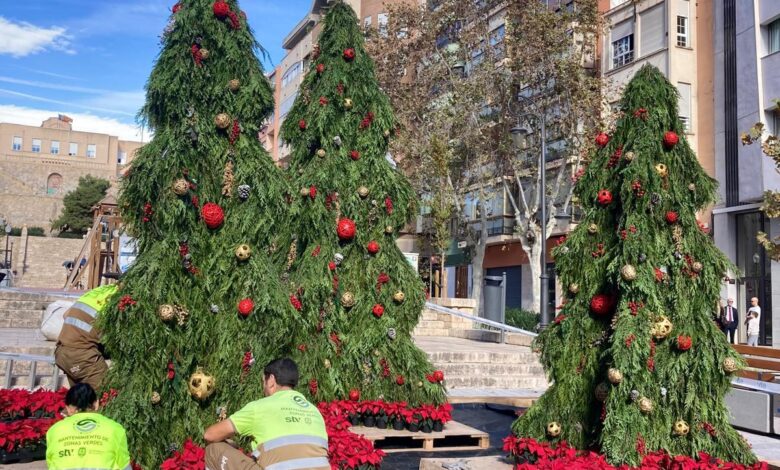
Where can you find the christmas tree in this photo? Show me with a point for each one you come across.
(637, 362)
(358, 296)
(202, 301)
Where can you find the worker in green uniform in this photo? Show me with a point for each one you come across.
(287, 431)
(86, 439)
(79, 353)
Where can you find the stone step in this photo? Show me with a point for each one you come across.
(531, 369)
(21, 318)
(431, 332)
(520, 357)
(17, 304)
(432, 324)
(45, 381)
(495, 382)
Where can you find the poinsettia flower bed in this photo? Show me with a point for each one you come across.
(24, 433)
(527, 454)
(383, 414)
(191, 457)
(18, 403)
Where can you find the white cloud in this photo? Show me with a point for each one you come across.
(23, 39)
(81, 122)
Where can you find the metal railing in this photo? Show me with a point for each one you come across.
(12, 358)
(503, 328)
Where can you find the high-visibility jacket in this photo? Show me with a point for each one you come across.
(287, 432)
(77, 330)
(87, 441)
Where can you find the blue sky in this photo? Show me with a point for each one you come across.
(90, 58)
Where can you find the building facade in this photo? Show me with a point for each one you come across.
(39, 165)
(746, 63)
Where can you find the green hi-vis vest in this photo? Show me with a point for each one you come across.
(87, 441)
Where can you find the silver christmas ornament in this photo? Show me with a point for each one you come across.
(214, 308)
(337, 141)
(634, 395)
(338, 258)
(391, 333)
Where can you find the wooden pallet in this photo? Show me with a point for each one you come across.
(455, 436)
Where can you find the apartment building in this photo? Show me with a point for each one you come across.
(39, 165)
(746, 64)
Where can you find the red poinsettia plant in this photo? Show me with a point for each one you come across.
(191, 457)
(18, 403)
(24, 433)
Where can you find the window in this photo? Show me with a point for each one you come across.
(287, 105)
(652, 26)
(73, 150)
(381, 22)
(36, 145)
(367, 22)
(17, 144)
(122, 157)
(774, 36)
(622, 44)
(682, 31)
(91, 150)
(615, 3)
(685, 104)
(55, 147)
(291, 73)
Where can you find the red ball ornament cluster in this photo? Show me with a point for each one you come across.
(373, 247)
(302, 124)
(672, 217)
(354, 155)
(604, 197)
(296, 303)
(354, 394)
(349, 54)
(221, 9)
(346, 229)
(601, 304)
(245, 307)
(436, 377)
(378, 310)
(213, 215)
(684, 343)
(671, 139)
(320, 68)
(400, 380)
(602, 140)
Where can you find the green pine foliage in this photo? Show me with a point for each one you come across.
(78, 205)
(337, 347)
(580, 347)
(181, 261)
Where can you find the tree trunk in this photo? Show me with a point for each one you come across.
(478, 277)
(534, 252)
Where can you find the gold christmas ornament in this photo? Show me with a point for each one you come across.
(730, 365)
(327, 364)
(574, 288)
(201, 385)
(628, 272)
(419, 383)
(204, 53)
(662, 328)
(222, 120)
(321, 153)
(348, 299)
(387, 133)
(681, 428)
(645, 405)
(243, 252)
(399, 297)
(662, 171)
(602, 392)
(166, 312)
(376, 352)
(363, 192)
(614, 375)
(181, 187)
(697, 267)
(234, 84)
(593, 229)
(155, 398)
(305, 192)
(629, 156)
(181, 314)
(692, 187)
(389, 229)
(553, 429)
(348, 103)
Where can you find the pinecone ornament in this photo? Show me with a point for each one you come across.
(243, 192)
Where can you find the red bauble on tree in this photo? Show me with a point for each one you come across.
(354, 394)
(346, 229)
(221, 9)
(354, 155)
(176, 8)
(373, 247)
(605, 197)
(213, 215)
(601, 304)
(313, 386)
(602, 140)
(400, 380)
(332, 265)
(378, 310)
(684, 343)
(671, 139)
(672, 217)
(245, 307)
(320, 68)
(349, 54)
(302, 124)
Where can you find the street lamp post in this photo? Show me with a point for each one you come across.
(7, 238)
(520, 135)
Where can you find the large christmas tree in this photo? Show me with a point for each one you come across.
(358, 296)
(202, 301)
(636, 361)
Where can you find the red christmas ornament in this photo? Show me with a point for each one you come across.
(349, 54)
(641, 113)
(378, 310)
(400, 380)
(176, 8)
(389, 205)
(323, 101)
(354, 155)
(171, 370)
(672, 217)
(320, 68)
(302, 124)
(602, 140)
(313, 386)
(313, 192)
(302, 348)
(354, 394)
(684, 343)
(346, 229)
(373, 247)
(221, 9)
(601, 304)
(332, 266)
(605, 197)
(245, 307)
(671, 139)
(438, 376)
(213, 215)
(297, 305)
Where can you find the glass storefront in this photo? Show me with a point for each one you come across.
(756, 278)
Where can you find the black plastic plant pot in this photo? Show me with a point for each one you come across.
(369, 421)
(438, 426)
(414, 427)
(381, 423)
(398, 424)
